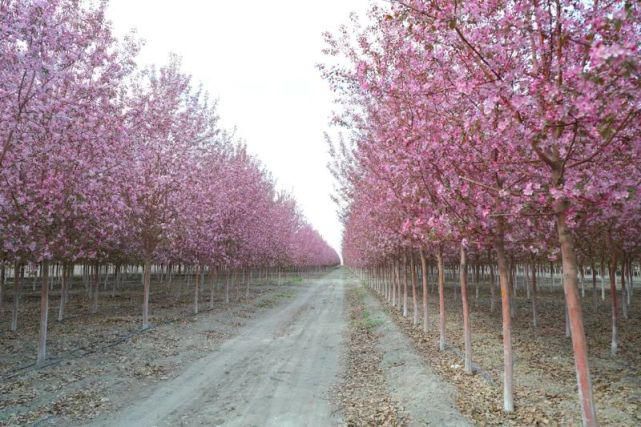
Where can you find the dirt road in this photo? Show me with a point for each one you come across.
(283, 367)
(277, 371)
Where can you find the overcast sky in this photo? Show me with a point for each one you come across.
(258, 59)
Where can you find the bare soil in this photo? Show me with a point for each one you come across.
(385, 381)
(101, 363)
(545, 379)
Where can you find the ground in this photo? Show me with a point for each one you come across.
(317, 350)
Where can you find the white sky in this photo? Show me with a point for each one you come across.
(258, 59)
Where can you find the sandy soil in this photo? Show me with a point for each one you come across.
(276, 371)
(106, 372)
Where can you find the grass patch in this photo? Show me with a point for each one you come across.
(369, 321)
(366, 320)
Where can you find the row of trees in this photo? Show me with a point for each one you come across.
(104, 162)
(500, 130)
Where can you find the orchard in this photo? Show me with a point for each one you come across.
(487, 169)
(499, 141)
(108, 168)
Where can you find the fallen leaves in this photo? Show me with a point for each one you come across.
(362, 395)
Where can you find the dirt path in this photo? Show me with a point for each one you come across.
(386, 382)
(426, 398)
(277, 371)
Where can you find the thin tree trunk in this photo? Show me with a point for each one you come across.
(212, 285)
(44, 314)
(575, 315)
(492, 289)
(594, 291)
(414, 298)
(249, 278)
(441, 299)
(476, 282)
(602, 274)
(394, 280)
(508, 360)
(63, 292)
(467, 331)
(404, 270)
(2, 285)
(624, 291)
(511, 289)
(146, 288)
(18, 276)
(95, 283)
(425, 293)
(535, 322)
(197, 288)
(227, 288)
(614, 344)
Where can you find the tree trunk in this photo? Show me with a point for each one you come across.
(414, 299)
(197, 288)
(614, 344)
(404, 271)
(425, 293)
(594, 296)
(624, 291)
(2, 285)
(535, 322)
(602, 274)
(508, 361)
(44, 314)
(511, 289)
(95, 283)
(63, 292)
(227, 288)
(492, 289)
(476, 282)
(441, 299)
(146, 287)
(467, 332)
(575, 315)
(249, 278)
(18, 275)
(212, 285)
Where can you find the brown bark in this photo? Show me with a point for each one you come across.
(614, 343)
(467, 331)
(425, 287)
(575, 314)
(508, 360)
